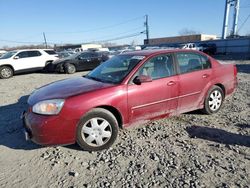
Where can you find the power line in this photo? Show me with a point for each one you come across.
(244, 22)
(21, 42)
(120, 37)
(99, 41)
(113, 35)
(99, 28)
(90, 30)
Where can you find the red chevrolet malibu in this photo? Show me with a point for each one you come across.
(127, 89)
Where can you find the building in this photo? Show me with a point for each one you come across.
(78, 47)
(180, 39)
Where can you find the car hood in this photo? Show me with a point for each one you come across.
(2, 61)
(57, 61)
(66, 88)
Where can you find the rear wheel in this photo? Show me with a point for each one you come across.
(6, 72)
(70, 68)
(213, 100)
(97, 130)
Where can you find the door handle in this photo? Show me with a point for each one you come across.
(171, 83)
(205, 76)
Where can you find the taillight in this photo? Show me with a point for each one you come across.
(235, 70)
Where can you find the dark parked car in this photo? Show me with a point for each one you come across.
(64, 54)
(127, 89)
(87, 60)
(208, 48)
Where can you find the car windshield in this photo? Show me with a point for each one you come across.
(73, 56)
(8, 55)
(115, 69)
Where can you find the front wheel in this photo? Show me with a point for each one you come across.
(97, 130)
(6, 72)
(213, 100)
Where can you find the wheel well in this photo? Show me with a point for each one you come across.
(222, 87)
(115, 112)
(8, 66)
(47, 62)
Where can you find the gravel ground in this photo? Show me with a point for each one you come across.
(191, 150)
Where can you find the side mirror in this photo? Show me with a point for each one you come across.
(16, 57)
(138, 80)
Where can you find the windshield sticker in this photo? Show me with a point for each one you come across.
(138, 57)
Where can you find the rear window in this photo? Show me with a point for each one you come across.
(33, 53)
(50, 52)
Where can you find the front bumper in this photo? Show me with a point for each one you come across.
(48, 130)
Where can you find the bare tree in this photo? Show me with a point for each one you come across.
(187, 31)
(41, 46)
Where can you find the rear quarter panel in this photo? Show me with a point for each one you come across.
(221, 74)
(224, 74)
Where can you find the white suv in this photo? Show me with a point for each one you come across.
(25, 61)
(190, 46)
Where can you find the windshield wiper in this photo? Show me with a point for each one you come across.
(94, 78)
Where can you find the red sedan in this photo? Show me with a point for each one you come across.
(127, 89)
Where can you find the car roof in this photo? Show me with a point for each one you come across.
(157, 51)
(17, 50)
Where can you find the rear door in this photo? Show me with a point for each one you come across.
(95, 59)
(88, 60)
(84, 61)
(195, 73)
(157, 98)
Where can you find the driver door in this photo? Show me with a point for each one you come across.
(157, 98)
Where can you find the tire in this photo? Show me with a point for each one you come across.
(97, 130)
(6, 72)
(213, 100)
(70, 68)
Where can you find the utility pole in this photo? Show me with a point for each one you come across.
(45, 41)
(147, 29)
(225, 22)
(236, 17)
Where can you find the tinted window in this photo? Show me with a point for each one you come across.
(158, 67)
(84, 55)
(22, 54)
(50, 52)
(25, 54)
(189, 62)
(34, 53)
(94, 55)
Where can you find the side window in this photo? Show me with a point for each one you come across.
(94, 55)
(158, 67)
(205, 62)
(189, 62)
(34, 53)
(22, 54)
(85, 55)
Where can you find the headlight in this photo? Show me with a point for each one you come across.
(48, 107)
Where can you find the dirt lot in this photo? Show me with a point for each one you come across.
(192, 150)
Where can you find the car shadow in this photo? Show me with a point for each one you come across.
(11, 130)
(218, 135)
(243, 126)
(243, 68)
(195, 112)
